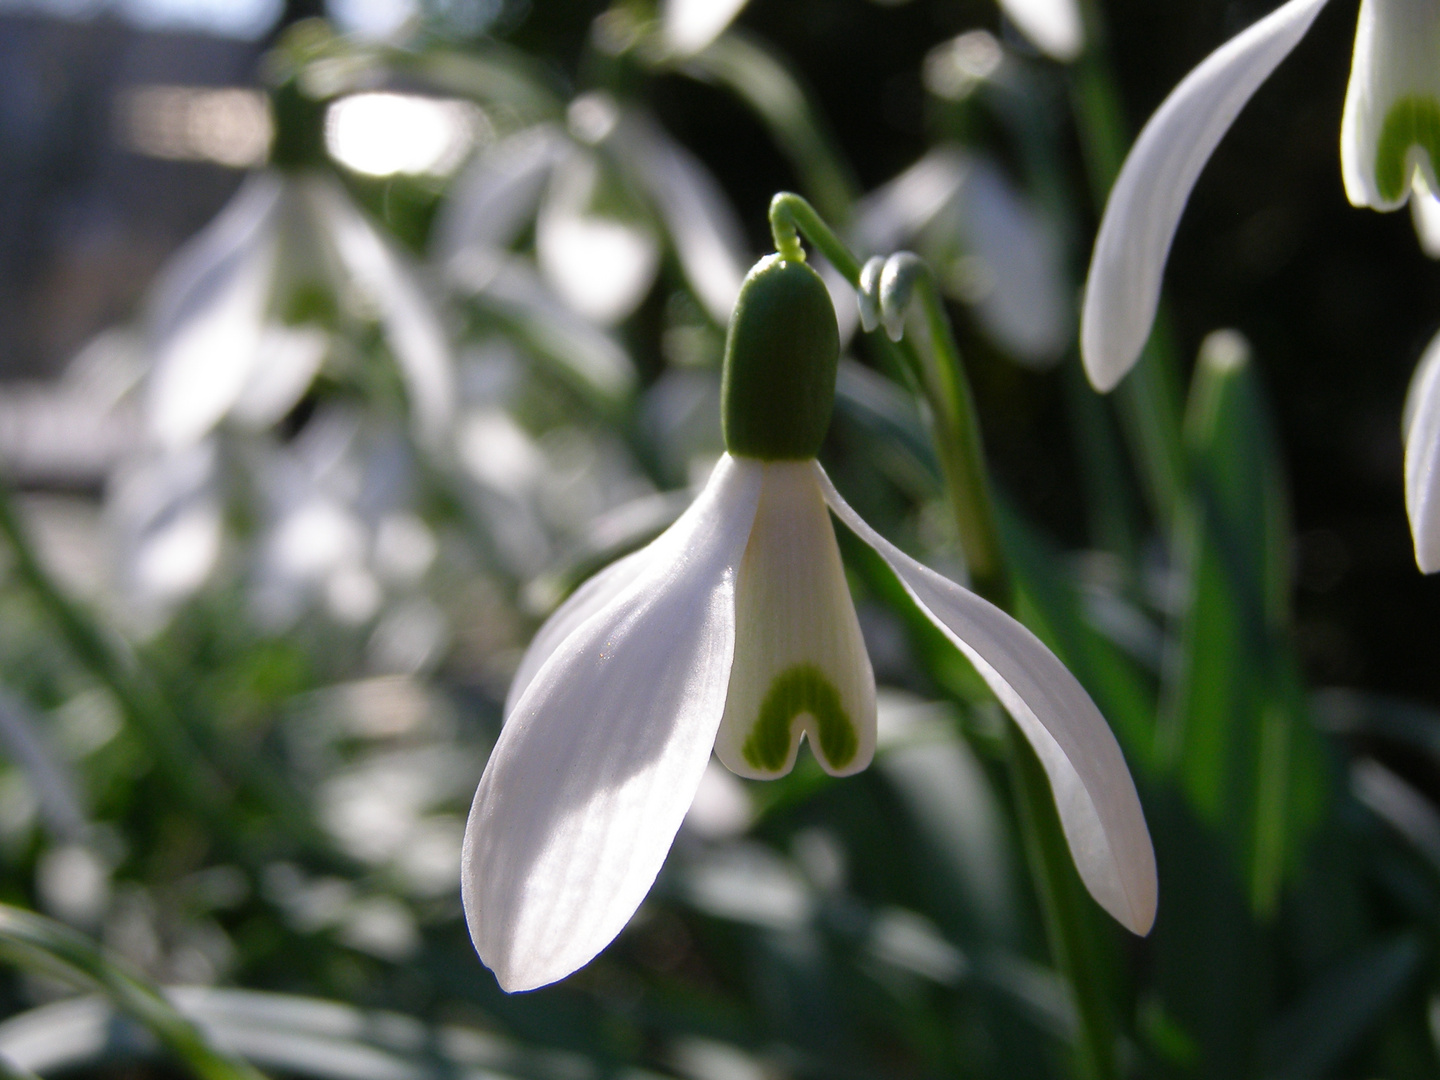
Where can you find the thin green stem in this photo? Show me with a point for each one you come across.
(760, 79)
(180, 761)
(45, 946)
(956, 431)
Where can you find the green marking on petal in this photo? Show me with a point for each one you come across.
(1411, 121)
(800, 689)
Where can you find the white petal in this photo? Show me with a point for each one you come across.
(690, 25)
(412, 327)
(599, 759)
(208, 312)
(594, 594)
(800, 662)
(1425, 215)
(1392, 105)
(287, 360)
(493, 200)
(601, 265)
(1098, 805)
(1053, 25)
(707, 237)
(1422, 458)
(1145, 204)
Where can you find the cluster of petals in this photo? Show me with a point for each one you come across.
(679, 648)
(1389, 137)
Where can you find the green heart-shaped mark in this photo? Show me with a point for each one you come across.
(802, 688)
(1411, 121)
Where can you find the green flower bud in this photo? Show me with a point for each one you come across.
(780, 356)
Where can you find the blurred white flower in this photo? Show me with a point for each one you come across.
(993, 249)
(243, 318)
(1389, 139)
(600, 193)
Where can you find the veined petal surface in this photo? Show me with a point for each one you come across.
(1053, 25)
(800, 662)
(1391, 124)
(602, 753)
(1099, 808)
(595, 593)
(1123, 287)
(1422, 458)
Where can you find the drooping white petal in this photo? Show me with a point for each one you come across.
(690, 25)
(497, 194)
(601, 264)
(207, 315)
(1425, 216)
(602, 753)
(1422, 458)
(1123, 288)
(412, 327)
(800, 662)
(1391, 124)
(287, 360)
(1053, 25)
(702, 226)
(1099, 808)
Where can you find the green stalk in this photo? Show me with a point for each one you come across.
(180, 761)
(42, 945)
(956, 431)
(1148, 398)
(748, 69)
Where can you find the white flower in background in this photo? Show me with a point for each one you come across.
(242, 320)
(1389, 137)
(992, 248)
(1053, 26)
(735, 630)
(1389, 142)
(602, 193)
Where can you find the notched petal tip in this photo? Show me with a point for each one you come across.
(1094, 793)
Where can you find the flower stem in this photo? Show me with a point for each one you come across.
(180, 761)
(956, 431)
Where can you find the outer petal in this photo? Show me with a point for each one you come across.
(1391, 124)
(596, 593)
(1053, 25)
(1098, 806)
(800, 662)
(412, 327)
(208, 313)
(597, 764)
(1422, 458)
(702, 225)
(1155, 183)
(690, 25)
(601, 264)
(1425, 215)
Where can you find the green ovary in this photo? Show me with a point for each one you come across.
(1411, 121)
(802, 688)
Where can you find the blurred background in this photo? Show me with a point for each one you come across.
(333, 354)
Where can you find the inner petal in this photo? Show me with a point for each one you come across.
(800, 664)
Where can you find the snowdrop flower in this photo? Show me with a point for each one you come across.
(242, 319)
(596, 191)
(735, 630)
(1389, 139)
(1053, 26)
